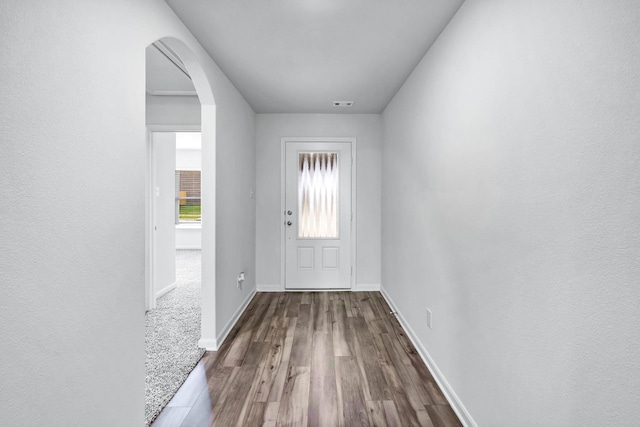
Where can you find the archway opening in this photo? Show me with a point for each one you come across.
(177, 77)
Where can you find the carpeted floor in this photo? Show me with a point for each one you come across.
(172, 333)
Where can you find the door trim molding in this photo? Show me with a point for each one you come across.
(283, 145)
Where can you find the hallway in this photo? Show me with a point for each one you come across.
(495, 197)
(312, 358)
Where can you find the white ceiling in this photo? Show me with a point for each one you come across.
(164, 77)
(298, 56)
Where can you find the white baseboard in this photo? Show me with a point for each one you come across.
(231, 323)
(359, 287)
(269, 288)
(209, 345)
(366, 287)
(166, 289)
(444, 385)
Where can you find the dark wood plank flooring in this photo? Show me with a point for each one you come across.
(316, 359)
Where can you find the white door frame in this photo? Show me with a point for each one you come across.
(283, 208)
(149, 289)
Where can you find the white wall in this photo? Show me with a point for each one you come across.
(511, 199)
(235, 211)
(72, 265)
(172, 110)
(164, 182)
(188, 160)
(188, 236)
(270, 128)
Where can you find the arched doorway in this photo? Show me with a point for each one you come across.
(184, 59)
(208, 131)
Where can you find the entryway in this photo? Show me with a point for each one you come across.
(318, 213)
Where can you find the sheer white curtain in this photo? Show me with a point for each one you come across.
(318, 195)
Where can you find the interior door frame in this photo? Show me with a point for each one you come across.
(149, 289)
(318, 140)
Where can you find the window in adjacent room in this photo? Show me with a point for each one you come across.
(188, 177)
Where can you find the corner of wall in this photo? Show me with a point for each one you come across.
(232, 321)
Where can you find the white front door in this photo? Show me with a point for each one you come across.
(318, 216)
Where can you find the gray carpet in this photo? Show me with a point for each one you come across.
(172, 334)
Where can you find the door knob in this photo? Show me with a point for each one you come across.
(289, 223)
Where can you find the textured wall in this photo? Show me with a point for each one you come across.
(270, 129)
(235, 210)
(72, 252)
(511, 199)
(173, 110)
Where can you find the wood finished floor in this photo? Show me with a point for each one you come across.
(312, 358)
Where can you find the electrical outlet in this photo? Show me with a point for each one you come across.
(429, 318)
(240, 279)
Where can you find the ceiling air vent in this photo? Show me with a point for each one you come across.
(343, 103)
